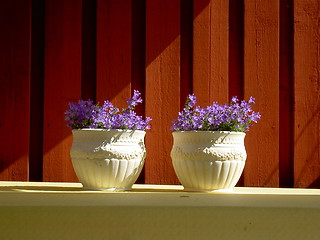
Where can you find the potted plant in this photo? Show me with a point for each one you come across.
(108, 149)
(208, 153)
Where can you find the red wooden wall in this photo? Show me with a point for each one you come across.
(56, 51)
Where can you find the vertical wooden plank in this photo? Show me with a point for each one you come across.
(15, 45)
(219, 44)
(201, 51)
(261, 80)
(210, 51)
(37, 91)
(286, 94)
(114, 51)
(307, 96)
(62, 85)
(162, 86)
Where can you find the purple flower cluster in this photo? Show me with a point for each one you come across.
(236, 116)
(85, 114)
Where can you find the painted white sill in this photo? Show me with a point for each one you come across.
(65, 211)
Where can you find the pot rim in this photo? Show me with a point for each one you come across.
(105, 130)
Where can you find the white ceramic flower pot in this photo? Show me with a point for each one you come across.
(208, 161)
(108, 159)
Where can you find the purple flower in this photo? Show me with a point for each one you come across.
(81, 114)
(85, 114)
(236, 116)
(191, 101)
(132, 102)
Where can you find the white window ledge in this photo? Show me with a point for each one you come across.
(65, 211)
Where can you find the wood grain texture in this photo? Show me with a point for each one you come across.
(114, 51)
(162, 86)
(261, 80)
(307, 96)
(210, 51)
(15, 49)
(62, 85)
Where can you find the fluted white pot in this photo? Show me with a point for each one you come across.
(208, 160)
(108, 159)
